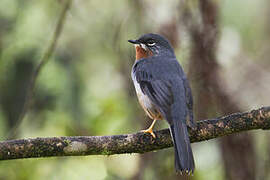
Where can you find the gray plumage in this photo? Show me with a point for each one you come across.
(165, 89)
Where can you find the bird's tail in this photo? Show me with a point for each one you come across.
(184, 161)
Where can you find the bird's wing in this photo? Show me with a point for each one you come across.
(158, 90)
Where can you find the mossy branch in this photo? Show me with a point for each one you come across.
(131, 143)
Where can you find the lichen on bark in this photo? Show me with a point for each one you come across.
(132, 143)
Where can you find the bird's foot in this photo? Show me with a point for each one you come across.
(149, 130)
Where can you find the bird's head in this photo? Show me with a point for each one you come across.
(152, 45)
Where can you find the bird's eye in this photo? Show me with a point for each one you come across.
(151, 43)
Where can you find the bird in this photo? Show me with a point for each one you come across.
(163, 92)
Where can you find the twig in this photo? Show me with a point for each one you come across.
(131, 143)
(45, 58)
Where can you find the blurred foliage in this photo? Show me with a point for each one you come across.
(83, 90)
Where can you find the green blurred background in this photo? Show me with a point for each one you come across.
(86, 88)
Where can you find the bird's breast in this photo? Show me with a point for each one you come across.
(142, 53)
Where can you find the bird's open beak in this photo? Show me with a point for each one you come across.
(134, 41)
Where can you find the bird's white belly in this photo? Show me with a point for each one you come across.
(142, 97)
(145, 102)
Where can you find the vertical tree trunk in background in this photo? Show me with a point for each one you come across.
(237, 151)
(13, 95)
(264, 172)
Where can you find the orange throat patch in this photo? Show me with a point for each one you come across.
(142, 53)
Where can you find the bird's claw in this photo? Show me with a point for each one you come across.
(149, 131)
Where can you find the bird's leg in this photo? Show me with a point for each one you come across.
(150, 129)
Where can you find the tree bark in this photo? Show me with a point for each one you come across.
(209, 91)
(131, 143)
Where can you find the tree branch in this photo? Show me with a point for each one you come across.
(132, 143)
